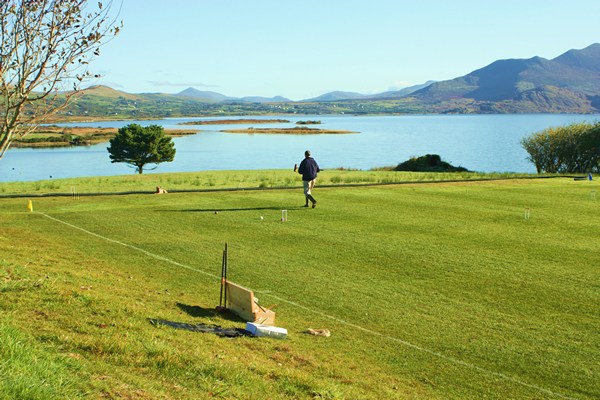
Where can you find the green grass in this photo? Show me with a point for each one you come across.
(431, 291)
(29, 371)
(207, 180)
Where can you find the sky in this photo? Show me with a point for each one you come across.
(301, 49)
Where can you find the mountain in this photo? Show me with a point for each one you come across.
(258, 99)
(586, 59)
(218, 97)
(108, 92)
(396, 94)
(336, 96)
(342, 96)
(567, 83)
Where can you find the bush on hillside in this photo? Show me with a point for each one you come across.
(428, 163)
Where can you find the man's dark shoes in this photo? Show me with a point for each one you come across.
(314, 204)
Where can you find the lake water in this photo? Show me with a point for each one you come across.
(486, 143)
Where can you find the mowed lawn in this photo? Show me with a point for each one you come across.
(430, 291)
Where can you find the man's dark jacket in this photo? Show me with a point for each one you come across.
(308, 168)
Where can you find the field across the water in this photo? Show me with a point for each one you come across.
(456, 290)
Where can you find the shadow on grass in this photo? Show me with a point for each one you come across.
(235, 209)
(215, 329)
(197, 311)
(201, 312)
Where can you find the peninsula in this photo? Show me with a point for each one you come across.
(235, 122)
(288, 131)
(56, 136)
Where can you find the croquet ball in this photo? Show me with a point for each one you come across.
(261, 218)
(216, 212)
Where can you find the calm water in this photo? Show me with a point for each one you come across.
(487, 143)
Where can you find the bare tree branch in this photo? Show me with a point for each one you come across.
(46, 48)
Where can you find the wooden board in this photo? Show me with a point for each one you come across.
(241, 301)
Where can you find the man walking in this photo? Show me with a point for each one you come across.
(308, 169)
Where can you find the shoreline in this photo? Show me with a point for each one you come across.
(288, 131)
(241, 121)
(55, 136)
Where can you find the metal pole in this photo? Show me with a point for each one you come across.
(225, 274)
(222, 280)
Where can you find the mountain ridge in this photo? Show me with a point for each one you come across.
(569, 83)
(218, 97)
(575, 74)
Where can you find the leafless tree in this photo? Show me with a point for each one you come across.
(46, 47)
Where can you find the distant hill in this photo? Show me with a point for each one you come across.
(397, 94)
(109, 93)
(218, 97)
(258, 99)
(204, 95)
(336, 96)
(341, 96)
(568, 83)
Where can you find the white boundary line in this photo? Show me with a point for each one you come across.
(156, 256)
(331, 317)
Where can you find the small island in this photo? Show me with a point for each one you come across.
(235, 122)
(309, 122)
(288, 131)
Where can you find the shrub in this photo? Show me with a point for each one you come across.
(573, 148)
(428, 163)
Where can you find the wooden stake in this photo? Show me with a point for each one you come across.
(225, 273)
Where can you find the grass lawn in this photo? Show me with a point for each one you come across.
(430, 291)
(210, 180)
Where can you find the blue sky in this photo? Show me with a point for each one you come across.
(303, 48)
